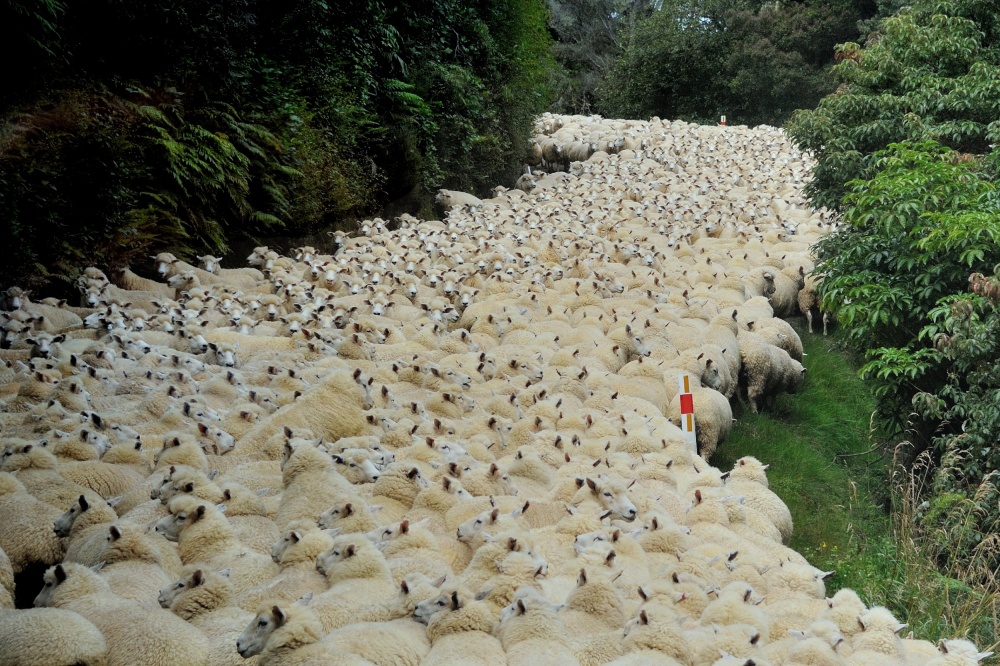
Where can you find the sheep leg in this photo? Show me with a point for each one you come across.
(809, 318)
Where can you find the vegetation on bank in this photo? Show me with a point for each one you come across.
(905, 151)
(133, 128)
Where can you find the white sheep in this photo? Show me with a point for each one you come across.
(135, 634)
(49, 637)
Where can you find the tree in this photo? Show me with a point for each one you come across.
(930, 73)
(754, 62)
(589, 38)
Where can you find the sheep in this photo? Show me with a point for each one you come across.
(516, 346)
(6, 581)
(357, 574)
(126, 279)
(809, 301)
(713, 418)
(958, 652)
(767, 369)
(135, 634)
(242, 278)
(400, 641)
(660, 632)
(594, 617)
(134, 565)
(331, 409)
(203, 597)
(26, 533)
(295, 552)
(530, 630)
(311, 482)
(780, 334)
(449, 199)
(459, 627)
(49, 637)
(289, 636)
(204, 536)
(878, 635)
(610, 495)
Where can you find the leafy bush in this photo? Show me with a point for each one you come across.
(100, 179)
(932, 72)
(120, 137)
(911, 236)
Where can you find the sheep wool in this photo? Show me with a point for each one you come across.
(446, 441)
(49, 637)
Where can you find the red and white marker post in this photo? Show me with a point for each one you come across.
(687, 411)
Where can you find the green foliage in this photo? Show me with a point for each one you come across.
(186, 125)
(103, 179)
(911, 236)
(754, 62)
(930, 73)
(589, 37)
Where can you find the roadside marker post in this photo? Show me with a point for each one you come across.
(687, 411)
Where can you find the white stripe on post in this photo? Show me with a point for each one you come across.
(687, 411)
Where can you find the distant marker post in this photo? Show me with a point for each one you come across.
(723, 121)
(687, 409)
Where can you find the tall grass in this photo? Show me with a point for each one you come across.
(854, 515)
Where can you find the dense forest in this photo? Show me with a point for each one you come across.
(133, 128)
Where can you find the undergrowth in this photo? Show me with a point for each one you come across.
(852, 514)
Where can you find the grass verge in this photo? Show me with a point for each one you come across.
(852, 514)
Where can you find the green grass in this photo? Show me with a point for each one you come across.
(851, 514)
(824, 463)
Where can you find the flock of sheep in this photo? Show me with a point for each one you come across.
(454, 442)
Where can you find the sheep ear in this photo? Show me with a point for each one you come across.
(200, 512)
(643, 618)
(84, 504)
(114, 533)
(60, 573)
(521, 610)
(279, 615)
(592, 484)
(349, 551)
(197, 578)
(404, 527)
(455, 603)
